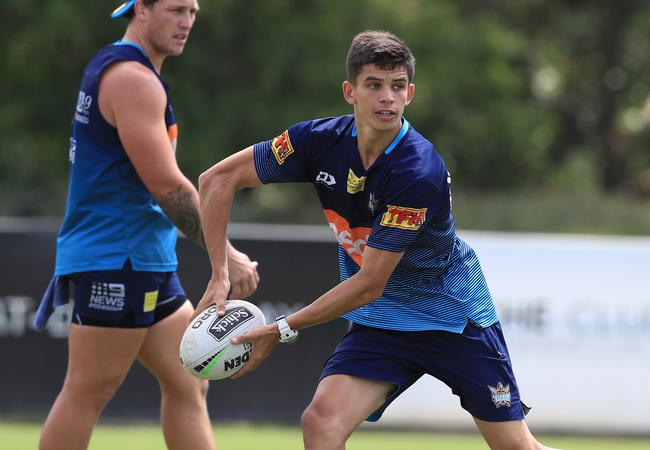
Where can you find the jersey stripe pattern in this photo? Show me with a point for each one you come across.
(401, 203)
(110, 215)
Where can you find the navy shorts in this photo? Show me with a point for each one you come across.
(124, 298)
(474, 364)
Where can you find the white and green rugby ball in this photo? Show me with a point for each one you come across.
(206, 351)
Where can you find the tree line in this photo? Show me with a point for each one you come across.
(515, 94)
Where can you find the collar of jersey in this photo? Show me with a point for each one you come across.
(398, 138)
(132, 44)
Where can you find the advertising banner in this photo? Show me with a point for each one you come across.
(575, 311)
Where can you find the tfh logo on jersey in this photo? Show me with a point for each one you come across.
(500, 395)
(282, 147)
(405, 218)
(355, 183)
(83, 106)
(233, 319)
(107, 296)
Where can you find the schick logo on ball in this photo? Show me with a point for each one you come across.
(223, 326)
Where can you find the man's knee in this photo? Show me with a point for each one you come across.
(96, 392)
(318, 422)
(183, 390)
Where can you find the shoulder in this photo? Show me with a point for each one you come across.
(111, 54)
(132, 80)
(334, 126)
(417, 159)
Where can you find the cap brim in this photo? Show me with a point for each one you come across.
(122, 9)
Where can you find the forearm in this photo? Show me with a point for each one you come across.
(343, 298)
(215, 202)
(363, 287)
(182, 207)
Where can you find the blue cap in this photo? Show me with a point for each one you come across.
(122, 9)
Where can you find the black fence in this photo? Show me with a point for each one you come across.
(296, 265)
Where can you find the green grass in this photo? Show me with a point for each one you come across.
(14, 436)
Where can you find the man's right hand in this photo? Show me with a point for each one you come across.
(215, 293)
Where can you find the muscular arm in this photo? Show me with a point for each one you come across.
(132, 99)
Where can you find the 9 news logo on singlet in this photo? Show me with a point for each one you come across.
(82, 110)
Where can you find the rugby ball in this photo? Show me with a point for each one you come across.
(206, 351)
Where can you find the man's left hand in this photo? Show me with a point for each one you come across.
(263, 339)
(242, 273)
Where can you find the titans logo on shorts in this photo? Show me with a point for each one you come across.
(124, 298)
(474, 364)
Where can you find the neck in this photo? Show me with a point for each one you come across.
(134, 36)
(372, 142)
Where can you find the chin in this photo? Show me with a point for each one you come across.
(389, 125)
(176, 51)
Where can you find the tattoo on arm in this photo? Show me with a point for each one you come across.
(182, 209)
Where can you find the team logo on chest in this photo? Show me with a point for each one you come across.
(355, 183)
(500, 395)
(282, 147)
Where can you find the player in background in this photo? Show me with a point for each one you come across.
(116, 249)
(414, 291)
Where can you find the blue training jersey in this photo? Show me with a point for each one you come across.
(401, 203)
(110, 215)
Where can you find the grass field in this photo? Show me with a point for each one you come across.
(266, 437)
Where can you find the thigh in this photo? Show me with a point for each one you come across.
(507, 435)
(100, 358)
(349, 400)
(377, 355)
(159, 352)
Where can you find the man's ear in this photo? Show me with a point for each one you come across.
(348, 92)
(409, 93)
(138, 10)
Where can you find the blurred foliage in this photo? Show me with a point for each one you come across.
(531, 99)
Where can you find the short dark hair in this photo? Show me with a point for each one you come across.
(131, 12)
(380, 48)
